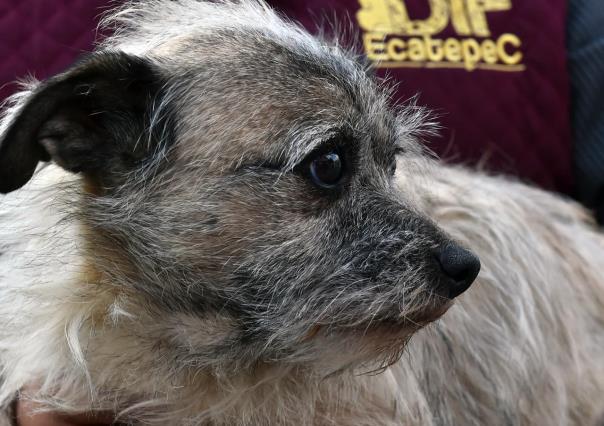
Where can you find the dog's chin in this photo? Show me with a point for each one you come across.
(427, 315)
(398, 329)
(393, 324)
(376, 344)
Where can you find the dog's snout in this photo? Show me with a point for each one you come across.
(460, 265)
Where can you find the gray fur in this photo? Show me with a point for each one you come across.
(211, 283)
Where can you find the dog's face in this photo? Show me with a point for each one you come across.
(242, 181)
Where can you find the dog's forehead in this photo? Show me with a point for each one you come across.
(244, 79)
(245, 93)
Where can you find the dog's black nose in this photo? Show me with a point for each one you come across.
(459, 264)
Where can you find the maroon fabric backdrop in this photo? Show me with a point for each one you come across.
(514, 119)
(42, 37)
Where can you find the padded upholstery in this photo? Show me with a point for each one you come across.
(516, 123)
(42, 37)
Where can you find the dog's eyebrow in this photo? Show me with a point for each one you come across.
(305, 139)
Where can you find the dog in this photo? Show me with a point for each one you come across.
(216, 218)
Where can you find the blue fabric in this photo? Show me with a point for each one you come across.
(586, 66)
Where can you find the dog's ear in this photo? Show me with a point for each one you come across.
(91, 119)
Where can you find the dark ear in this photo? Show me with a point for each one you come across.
(91, 119)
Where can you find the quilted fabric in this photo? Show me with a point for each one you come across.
(42, 37)
(516, 122)
(586, 63)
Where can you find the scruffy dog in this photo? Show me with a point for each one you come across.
(217, 219)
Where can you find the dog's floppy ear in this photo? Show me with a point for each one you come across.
(91, 119)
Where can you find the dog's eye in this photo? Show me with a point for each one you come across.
(326, 169)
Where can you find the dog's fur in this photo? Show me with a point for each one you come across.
(192, 274)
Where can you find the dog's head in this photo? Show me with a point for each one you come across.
(237, 174)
